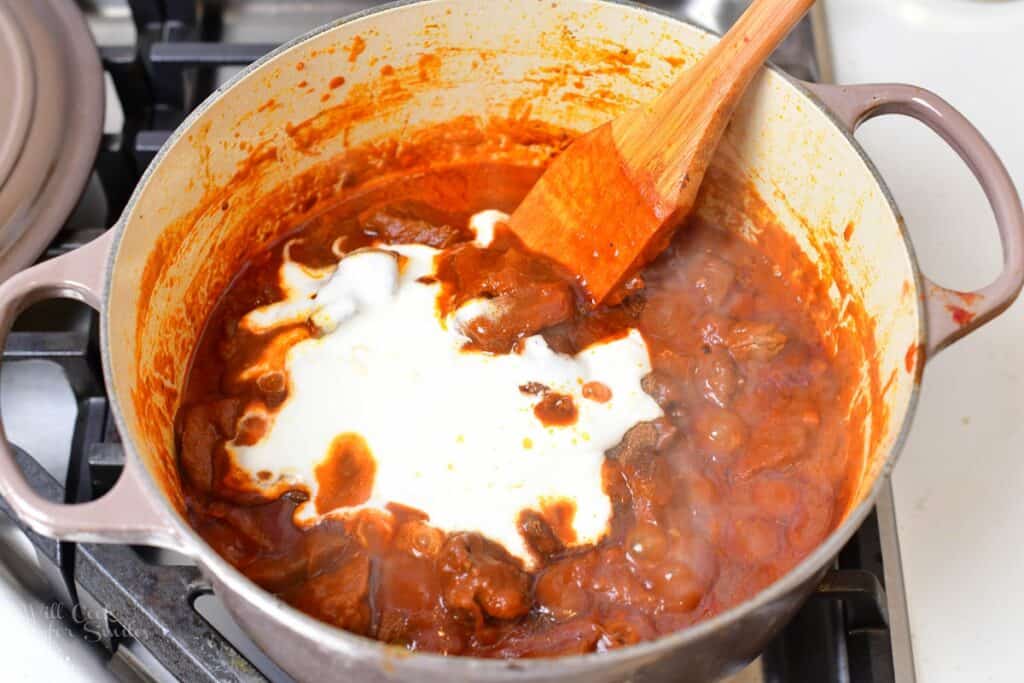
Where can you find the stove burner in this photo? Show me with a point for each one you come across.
(130, 598)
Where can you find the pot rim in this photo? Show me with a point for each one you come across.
(193, 545)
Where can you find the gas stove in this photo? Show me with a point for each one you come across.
(121, 613)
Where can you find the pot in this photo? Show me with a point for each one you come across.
(155, 274)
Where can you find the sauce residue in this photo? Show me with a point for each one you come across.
(559, 515)
(596, 391)
(910, 359)
(345, 477)
(556, 410)
(358, 47)
(961, 316)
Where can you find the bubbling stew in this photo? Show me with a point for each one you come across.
(405, 425)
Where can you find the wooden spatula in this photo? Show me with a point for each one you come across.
(610, 202)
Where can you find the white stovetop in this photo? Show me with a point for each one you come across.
(957, 488)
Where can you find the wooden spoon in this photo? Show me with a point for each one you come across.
(611, 201)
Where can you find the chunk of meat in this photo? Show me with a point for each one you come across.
(480, 577)
(277, 573)
(650, 486)
(715, 376)
(755, 341)
(679, 587)
(539, 535)
(203, 428)
(755, 539)
(561, 588)
(419, 538)
(702, 499)
(661, 319)
(374, 530)
(511, 317)
(468, 271)
(643, 440)
(713, 329)
(779, 441)
(198, 439)
(777, 497)
(338, 596)
(712, 277)
(407, 584)
(646, 543)
(719, 431)
(412, 223)
(614, 581)
(260, 527)
(814, 520)
(666, 389)
(435, 632)
(325, 545)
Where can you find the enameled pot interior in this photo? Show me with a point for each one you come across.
(574, 64)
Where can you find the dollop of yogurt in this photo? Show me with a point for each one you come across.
(453, 433)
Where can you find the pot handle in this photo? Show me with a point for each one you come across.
(950, 314)
(127, 513)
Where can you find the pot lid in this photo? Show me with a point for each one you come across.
(16, 109)
(51, 120)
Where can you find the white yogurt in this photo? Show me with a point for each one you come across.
(450, 431)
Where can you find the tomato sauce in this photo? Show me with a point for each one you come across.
(746, 473)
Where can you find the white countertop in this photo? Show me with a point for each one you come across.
(958, 485)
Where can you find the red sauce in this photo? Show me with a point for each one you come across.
(961, 316)
(597, 392)
(345, 477)
(750, 468)
(556, 410)
(910, 359)
(358, 46)
(559, 515)
(336, 82)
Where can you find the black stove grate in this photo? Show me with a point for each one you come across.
(841, 635)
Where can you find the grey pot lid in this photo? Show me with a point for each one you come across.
(51, 120)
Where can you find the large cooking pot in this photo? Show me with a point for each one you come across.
(154, 276)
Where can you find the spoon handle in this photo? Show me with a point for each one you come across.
(683, 125)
